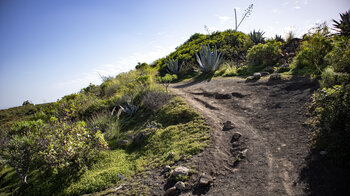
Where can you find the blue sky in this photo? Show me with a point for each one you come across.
(49, 49)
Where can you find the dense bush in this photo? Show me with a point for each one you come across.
(310, 59)
(55, 146)
(339, 57)
(263, 55)
(332, 111)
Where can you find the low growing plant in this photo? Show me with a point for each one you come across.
(130, 108)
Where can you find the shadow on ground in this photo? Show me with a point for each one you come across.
(323, 177)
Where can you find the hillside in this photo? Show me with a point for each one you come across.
(224, 114)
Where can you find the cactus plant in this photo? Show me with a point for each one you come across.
(130, 108)
(173, 66)
(209, 61)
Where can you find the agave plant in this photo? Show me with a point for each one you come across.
(173, 66)
(209, 61)
(343, 25)
(257, 36)
(279, 38)
(130, 108)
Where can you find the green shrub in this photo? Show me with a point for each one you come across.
(331, 78)
(332, 111)
(339, 57)
(263, 55)
(310, 60)
(55, 146)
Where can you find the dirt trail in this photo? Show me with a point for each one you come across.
(268, 116)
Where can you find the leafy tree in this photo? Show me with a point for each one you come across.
(166, 80)
(310, 59)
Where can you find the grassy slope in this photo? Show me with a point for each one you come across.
(184, 132)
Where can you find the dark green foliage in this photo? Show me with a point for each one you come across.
(343, 25)
(257, 36)
(310, 59)
(141, 65)
(263, 55)
(332, 111)
(26, 103)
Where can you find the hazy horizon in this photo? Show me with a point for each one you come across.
(53, 48)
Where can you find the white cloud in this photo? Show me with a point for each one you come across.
(297, 7)
(224, 19)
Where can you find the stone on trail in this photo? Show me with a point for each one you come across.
(236, 136)
(180, 171)
(180, 185)
(228, 125)
(205, 180)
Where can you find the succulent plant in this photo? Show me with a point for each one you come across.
(209, 61)
(173, 66)
(130, 108)
(279, 38)
(343, 25)
(257, 36)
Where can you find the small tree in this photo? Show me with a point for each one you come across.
(27, 102)
(166, 80)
